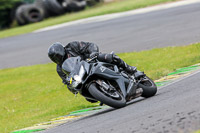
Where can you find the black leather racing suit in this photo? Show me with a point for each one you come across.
(75, 48)
(84, 50)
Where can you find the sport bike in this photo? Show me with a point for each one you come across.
(105, 82)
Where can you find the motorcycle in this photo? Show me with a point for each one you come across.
(105, 82)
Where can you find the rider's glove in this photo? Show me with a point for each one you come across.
(92, 55)
(69, 86)
(65, 82)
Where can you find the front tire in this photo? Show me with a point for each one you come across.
(115, 103)
(148, 86)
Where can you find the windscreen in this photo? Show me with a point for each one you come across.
(71, 64)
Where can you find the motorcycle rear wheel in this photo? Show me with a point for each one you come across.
(97, 94)
(148, 86)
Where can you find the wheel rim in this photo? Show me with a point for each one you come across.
(111, 93)
(146, 82)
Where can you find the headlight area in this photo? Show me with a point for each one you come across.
(81, 72)
(76, 80)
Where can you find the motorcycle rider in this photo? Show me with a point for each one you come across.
(59, 53)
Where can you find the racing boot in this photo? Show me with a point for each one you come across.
(112, 58)
(127, 68)
(130, 69)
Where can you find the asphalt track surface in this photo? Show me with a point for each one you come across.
(175, 109)
(166, 27)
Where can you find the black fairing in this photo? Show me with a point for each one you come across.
(139, 74)
(71, 64)
(101, 69)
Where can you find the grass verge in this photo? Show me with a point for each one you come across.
(101, 9)
(34, 94)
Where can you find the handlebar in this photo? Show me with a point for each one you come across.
(92, 59)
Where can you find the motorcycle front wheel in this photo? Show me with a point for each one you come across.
(108, 100)
(148, 86)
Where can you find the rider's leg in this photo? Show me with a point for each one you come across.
(124, 65)
(111, 58)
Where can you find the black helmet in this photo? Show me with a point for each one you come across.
(56, 53)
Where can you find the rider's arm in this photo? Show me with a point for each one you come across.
(91, 47)
(61, 74)
(84, 49)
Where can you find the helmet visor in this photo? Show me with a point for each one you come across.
(58, 59)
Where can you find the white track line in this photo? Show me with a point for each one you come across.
(122, 14)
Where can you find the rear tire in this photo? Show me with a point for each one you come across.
(96, 93)
(149, 87)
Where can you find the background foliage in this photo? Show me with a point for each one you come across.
(5, 10)
(6, 7)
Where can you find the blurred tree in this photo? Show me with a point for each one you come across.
(29, 1)
(5, 10)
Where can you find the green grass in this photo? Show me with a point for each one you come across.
(161, 61)
(35, 94)
(197, 131)
(101, 9)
